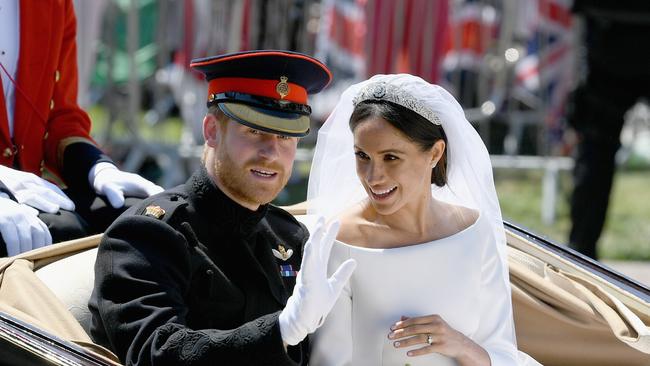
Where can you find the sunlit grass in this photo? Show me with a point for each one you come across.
(627, 230)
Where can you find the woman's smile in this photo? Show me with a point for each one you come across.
(381, 195)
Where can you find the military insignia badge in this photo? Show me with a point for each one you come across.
(287, 271)
(282, 87)
(282, 253)
(154, 211)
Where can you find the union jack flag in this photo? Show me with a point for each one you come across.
(546, 70)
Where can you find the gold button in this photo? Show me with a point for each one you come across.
(47, 134)
(52, 104)
(7, 152)
(57, 76)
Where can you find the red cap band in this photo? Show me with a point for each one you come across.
(258, 87)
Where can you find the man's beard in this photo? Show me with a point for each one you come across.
(235, 178)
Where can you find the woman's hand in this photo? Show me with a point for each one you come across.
(435, 335)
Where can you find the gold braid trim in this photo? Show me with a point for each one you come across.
(69, 141)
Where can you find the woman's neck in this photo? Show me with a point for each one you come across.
(423, 221)
(415, 219)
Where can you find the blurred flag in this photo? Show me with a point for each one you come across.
(361, 38)
(341, 37)
(406, 37)
(473, 29)
(340, 44)
(546, 70)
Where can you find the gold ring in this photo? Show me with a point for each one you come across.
(429, 339)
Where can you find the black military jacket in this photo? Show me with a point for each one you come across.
(198, 284)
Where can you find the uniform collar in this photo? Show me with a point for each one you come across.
(225, 213)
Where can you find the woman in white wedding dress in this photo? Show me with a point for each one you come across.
(411, 182)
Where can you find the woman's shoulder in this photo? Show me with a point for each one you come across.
(469, 222)
(353, 226)
(460, 217)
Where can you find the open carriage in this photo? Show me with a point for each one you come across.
(569, 309)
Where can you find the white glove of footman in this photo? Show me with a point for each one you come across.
(35, 191)
(114, 184)
(314, 294)
(20, 227)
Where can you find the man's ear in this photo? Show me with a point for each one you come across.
(211, 130)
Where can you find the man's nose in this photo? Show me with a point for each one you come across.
(270, 149)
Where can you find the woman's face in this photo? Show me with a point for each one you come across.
(394, 171)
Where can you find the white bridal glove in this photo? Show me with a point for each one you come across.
(314, 294)
(35, 191)
(114, 184)
(20, 227)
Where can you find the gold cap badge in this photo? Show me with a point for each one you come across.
(282, 87)
(154, 211)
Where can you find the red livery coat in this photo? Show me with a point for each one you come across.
(47, 117)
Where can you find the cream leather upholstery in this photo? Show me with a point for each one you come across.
(71, 279)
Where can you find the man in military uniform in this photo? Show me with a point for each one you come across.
(201, 273)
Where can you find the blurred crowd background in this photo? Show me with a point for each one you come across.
(511, 63)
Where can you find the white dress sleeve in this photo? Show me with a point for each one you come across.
(331, 344)
(496, 332)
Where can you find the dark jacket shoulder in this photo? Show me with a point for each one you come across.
(285, 225)
(165, 206)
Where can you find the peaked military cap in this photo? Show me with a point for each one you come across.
(265, 90)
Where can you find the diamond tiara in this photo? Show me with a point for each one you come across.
(391, 93)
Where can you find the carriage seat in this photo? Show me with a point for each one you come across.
(72, 279)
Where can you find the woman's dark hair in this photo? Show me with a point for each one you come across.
(415, 127)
